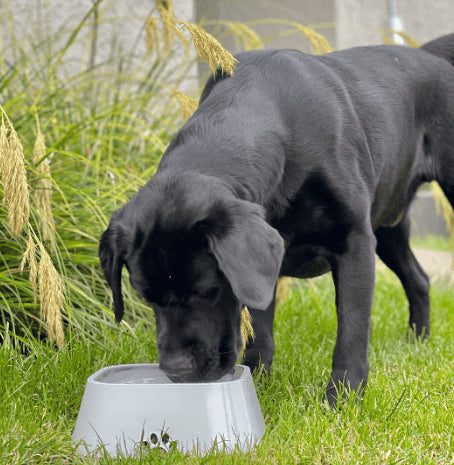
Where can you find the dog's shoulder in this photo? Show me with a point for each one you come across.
(253, 65)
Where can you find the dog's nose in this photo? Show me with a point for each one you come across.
(179, 368)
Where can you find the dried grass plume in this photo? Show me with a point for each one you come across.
(168, 22)
(51, 297)
(188, 105)
(247, 332)
(249, 38)
(152, 37)
(43, 190)
(169, 29)
(30, 258)
(210, 50)
(319, 44)
(13, 178)
(44, 278)
(281, 289)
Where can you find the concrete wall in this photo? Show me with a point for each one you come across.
(425, 218)
(345, 23)
(358, 22)
(121, 23)
(119, 26)
(307, 12)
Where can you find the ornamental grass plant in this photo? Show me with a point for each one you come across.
(72, 150)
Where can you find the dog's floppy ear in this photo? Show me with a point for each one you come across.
(249, 253)
(111, 255)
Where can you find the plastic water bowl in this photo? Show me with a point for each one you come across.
(129, 406)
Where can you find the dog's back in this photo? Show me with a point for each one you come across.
(362, 109)
(442, 47)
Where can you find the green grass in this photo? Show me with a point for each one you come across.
(405, 417)
(433, 242)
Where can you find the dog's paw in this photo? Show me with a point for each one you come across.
(339, 392)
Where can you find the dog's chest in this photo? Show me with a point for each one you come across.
(315, 226)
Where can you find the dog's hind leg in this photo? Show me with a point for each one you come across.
(394, 249)
(260, 350)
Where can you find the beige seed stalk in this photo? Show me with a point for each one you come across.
(17, 199)
(249, 38)
(4, 144)
(210, 50)
(30, 258)
(151, 38)
(319, 44)
(14, 179)
(188, 105)
(43, 190)
(408, 39)
(247, 332)
(51, 297)
(168, 21)
(281, 289)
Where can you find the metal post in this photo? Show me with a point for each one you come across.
(394, 23)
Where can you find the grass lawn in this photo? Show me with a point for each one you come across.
(405, 417)
(432, 242)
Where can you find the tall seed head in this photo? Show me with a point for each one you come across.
(319, 44)
(281, 289)
(51, 297)
(188, 105)
(151, 38)
(168, 21)
(43, 189)
(248, 37)
(210, 50)
(14, 179)
(4, 144)
(30, 258)
(247, 332)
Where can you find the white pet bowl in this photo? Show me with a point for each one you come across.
(127, 406)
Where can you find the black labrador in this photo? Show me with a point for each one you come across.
(294, 166)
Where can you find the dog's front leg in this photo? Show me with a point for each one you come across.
(354, 276)
(260, 349)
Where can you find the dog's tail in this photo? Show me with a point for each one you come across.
(442, 47)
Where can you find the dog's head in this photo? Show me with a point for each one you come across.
(197, 255)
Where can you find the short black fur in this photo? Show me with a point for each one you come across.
(296, 165)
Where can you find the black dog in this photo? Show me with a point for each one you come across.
(295, 166)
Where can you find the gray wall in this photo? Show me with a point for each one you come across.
(344, 23)
(307, 12)
(120, 30)
(358, 21)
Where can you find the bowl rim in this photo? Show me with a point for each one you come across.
(241, 372)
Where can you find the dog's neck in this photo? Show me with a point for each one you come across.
(247, 174)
